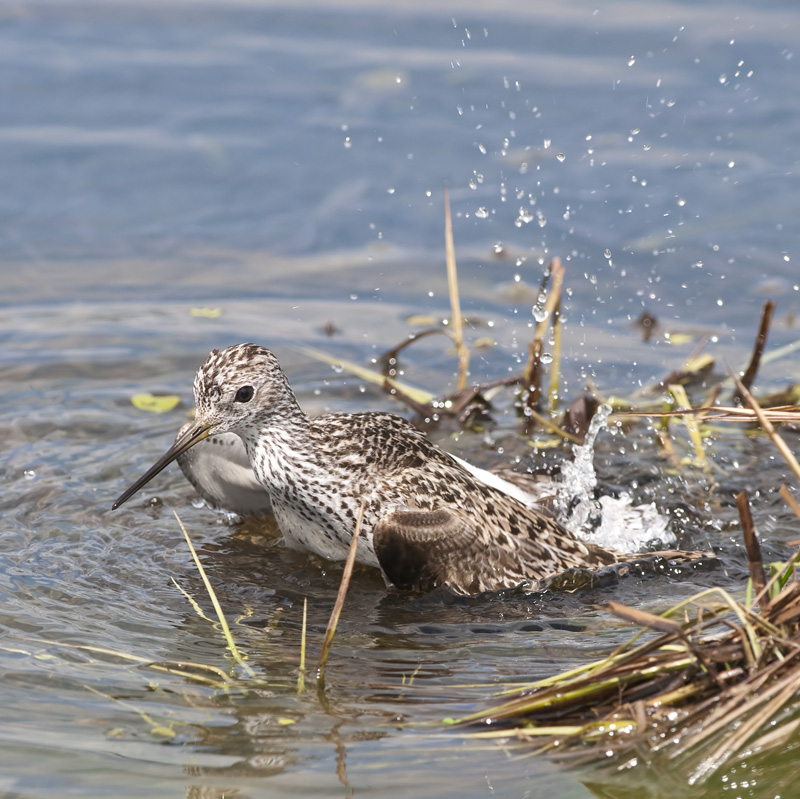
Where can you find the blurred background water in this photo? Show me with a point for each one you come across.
(282, 166)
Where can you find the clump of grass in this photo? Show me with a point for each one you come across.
(719, 679)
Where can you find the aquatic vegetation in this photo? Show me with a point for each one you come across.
(719, 681)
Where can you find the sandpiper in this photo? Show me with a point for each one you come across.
(429, 519)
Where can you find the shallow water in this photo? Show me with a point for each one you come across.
(284, 164)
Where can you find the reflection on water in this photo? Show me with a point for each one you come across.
(284, 166)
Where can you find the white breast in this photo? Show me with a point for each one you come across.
(315, 536)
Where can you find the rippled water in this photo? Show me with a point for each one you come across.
(284, 165)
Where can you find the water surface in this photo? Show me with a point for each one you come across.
(283, 164)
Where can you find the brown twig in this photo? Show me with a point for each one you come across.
(532, 374)
(421, 408)
(347, 573)
(792, 503)
(758, 350)
(412, 337)
(755, 561)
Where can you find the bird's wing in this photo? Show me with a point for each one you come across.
(424, 549)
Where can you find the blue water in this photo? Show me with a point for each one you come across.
(284, 164)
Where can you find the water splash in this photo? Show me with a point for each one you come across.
(613, 522)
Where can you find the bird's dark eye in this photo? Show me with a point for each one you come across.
(244, 394)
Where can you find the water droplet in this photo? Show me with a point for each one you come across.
(354, 296)
(347, 142)
(631, 61)
(546, 358)
(681, 202)
(525, 216)
(607, 253)
(390, 190)
(546, 144)
(472, 184)
(482, 149)
(541, 219)
(561, 157)
(539, 311)
(481, 213)
(337, 367)
(29, 474)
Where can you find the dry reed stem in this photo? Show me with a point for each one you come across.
(555, 366)
(725, 413)
(533, 368)
(369, 375)
(457, 323)
(755, 562)
(789, 499)
(301, 671)
(679, 392)
(550, 425)
(768, 427)
(347, 573)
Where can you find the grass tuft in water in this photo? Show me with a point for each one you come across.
(719, 680)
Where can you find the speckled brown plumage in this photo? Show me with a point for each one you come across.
(428, 519)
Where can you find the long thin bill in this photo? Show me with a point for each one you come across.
(195, 433)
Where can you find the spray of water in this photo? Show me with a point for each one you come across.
(613, 522)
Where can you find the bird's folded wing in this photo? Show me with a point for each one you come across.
(424, 549)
